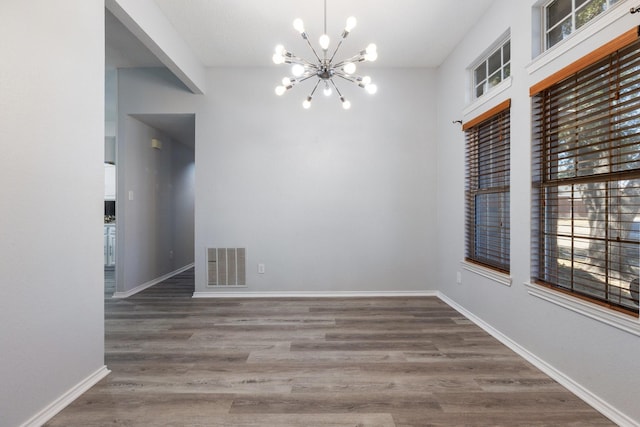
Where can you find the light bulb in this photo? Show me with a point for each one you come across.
(346, 104)
(372, 89)
(298, 25)
(286, 81)
(297, 70)
(371, 56)
(306, 104)
(280, 49)
(366, 80)
(280, 90)
(349, 68)
(324, 41)
(277, 59)
(351, 23)
(372, 48)
(327, 90)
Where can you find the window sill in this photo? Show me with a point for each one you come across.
(496, 276)
(492, 93)
(577, 38)
(593, 311)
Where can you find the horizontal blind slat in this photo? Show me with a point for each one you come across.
(586, 177)
(487, 178)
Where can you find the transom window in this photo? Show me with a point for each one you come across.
(487, 188)
(563, 17)
(492, 69)
(586, 180)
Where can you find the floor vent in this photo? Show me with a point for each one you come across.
(226, 266)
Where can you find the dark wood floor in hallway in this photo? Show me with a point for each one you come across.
(178, 361)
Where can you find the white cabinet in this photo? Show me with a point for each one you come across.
(109, 245)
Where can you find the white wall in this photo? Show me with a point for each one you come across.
(328, 200)
(600, 358)
(155, 232)
(183, 201)
(110, 103)
(183, 204)
(52, 138)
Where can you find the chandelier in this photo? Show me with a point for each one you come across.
(324, 68)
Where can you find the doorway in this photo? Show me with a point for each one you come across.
(110, 172)
(155, 208)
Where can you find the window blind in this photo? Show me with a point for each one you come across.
(487, 188)
(586, 179)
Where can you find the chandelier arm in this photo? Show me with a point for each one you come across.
(306, 78)
(336, 87)
(314, 51)
(295, 80)
(314, 88)
(347, 78)
(336, 51)
(355, 58)
(298, 60)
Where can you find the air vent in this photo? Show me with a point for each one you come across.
(226, 266)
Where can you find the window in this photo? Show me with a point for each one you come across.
(586, 176)
(487, 188)
(493, 69)
(563, 17)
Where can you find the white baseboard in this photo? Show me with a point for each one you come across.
(151, 283)
(320, 294)
(580, 391)
(63, 401)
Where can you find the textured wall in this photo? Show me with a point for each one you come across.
(51, 169)
(329, 200)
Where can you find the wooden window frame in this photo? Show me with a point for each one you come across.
(487, 183)
(586, 177)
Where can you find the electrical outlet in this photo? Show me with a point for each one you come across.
(260, 268)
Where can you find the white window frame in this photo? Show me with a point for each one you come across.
(610, 4)
(541, 58)
(588, 309)
(484, 59)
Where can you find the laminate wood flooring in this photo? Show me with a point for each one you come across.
(178, 361)
(109, 282)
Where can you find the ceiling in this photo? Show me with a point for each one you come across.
(243, 33)
(179, 127)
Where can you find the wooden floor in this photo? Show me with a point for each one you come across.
(180, 361)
